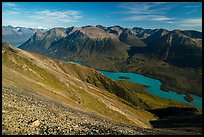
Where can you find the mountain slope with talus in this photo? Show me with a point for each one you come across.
(46, 96)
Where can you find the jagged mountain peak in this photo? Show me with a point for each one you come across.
(128, 31)
(101, 27)
(177, 38)
(138, 29)
(162, 32)
(61, 32)
(176, 49)
(97, 33)
(192, 34)
(143, 33)
(118, 27)
(116, 30)
(155, 36)
(97, 41)
(72, 29)
(128, 37)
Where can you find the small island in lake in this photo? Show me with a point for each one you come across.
(124, 77)
(189, 98)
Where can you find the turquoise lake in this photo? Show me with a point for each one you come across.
(154, 87)
(154, 84)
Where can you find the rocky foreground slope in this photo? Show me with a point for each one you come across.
(46, 96)
(24, 112)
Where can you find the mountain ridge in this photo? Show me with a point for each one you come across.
(80, 100)
(129, 53)
(18, 35)
(75, 38)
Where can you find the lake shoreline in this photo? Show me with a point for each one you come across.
(147, 76)
(162, 87)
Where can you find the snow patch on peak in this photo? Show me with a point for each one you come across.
(40, 27)
(17, 28)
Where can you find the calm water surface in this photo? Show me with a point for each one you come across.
(154, 86)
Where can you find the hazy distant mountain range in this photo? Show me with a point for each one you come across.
(17, 35)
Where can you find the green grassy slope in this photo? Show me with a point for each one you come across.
(131, 93)
(180, 80)
(80, 87)
(64, 83)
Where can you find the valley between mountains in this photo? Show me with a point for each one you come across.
(42, 95)
(174, 57)
(102, 68)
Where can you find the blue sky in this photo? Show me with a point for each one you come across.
(167, 15)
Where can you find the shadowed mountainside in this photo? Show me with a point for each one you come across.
(176, 54)
(47, 96)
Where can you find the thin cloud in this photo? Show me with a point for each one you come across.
(12, 9)
(43, 18)
(68, 16)
(192, 6)
(146, 8)
(170, 22)
(161, 18)
(148, 18)
(195, 22)
(12, 12)
(146, 11)
(9, 4)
